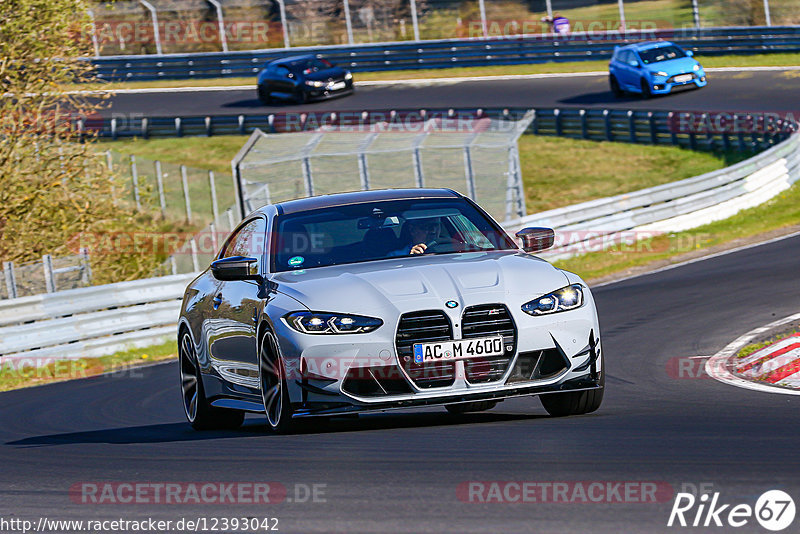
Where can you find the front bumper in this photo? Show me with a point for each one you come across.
(662, 86)
(320, 366)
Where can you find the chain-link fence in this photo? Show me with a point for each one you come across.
(474, 155)
(180, 26)
(48, 275)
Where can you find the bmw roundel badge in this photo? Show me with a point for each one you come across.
(451, 304)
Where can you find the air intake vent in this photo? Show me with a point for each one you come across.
(489, 320)
(424, 327)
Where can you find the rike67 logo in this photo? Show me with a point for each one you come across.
(774, 510)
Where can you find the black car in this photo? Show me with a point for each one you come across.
(302, 78)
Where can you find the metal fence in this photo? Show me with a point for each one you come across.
(176, 192)
(48, 275)
(476, 156)
(180, 26)
(451, 52)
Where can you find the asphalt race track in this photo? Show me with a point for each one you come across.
(400, 472)
(764, 91)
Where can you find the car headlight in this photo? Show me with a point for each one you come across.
(313, 83)
(348, 75)
(696, 67)
(661, 73)
(331, 323)
(564, 299)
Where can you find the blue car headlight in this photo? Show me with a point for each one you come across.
(564, 299)
(331, 323)
(661, 74)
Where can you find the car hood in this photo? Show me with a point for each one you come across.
(394, 286)
(681, 65)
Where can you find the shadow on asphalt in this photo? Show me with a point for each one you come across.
(255, 426)
(602, 97)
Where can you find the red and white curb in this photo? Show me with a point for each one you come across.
(775, 365)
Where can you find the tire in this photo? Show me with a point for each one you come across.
(615, 88)
(200, 414)
(274, 393)
(264, 95)
(645, 89)
(301, 97)
(467, 407)
(575, 402)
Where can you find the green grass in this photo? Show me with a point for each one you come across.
(780, 212)
(58, 371)
(757, 60)
(558, 172)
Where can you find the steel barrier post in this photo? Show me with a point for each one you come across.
(11, 280)
(284, 24)
(156, 33)
(49, 276)
(766, 13)
(86, 267)
(195, 259)
(160, 181)
(414, 20)
(222, 37)
(93, 26)
(135, 179)
(482, 6)
(621, 6)
(348, 22)
(214, 205)
(696, 14)
(185, 180)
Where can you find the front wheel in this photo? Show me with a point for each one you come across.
(274, 392)
(575, 402)
(199, 412)
(615, 88)
(264, 95)
(646, 93)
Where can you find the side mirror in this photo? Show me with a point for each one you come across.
(536, 239)
(236, 268)
(633, 63)
(689, 53)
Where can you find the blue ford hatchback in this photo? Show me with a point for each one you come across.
(654, 68)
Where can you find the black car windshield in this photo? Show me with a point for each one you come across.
(664, 53)
(311, 65)
(381, 230)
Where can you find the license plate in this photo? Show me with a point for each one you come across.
(336, 86)
(683, 78)
(458, 350)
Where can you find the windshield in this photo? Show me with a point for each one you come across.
(381, 230)
(664, 53)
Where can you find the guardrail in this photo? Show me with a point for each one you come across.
(685, 129)
(450, 53)
(90, 322)
(672, 207)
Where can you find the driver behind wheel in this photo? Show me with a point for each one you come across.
(418, 235)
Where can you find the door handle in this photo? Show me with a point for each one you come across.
(217, 300)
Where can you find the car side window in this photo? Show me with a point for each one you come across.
(249, 240)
